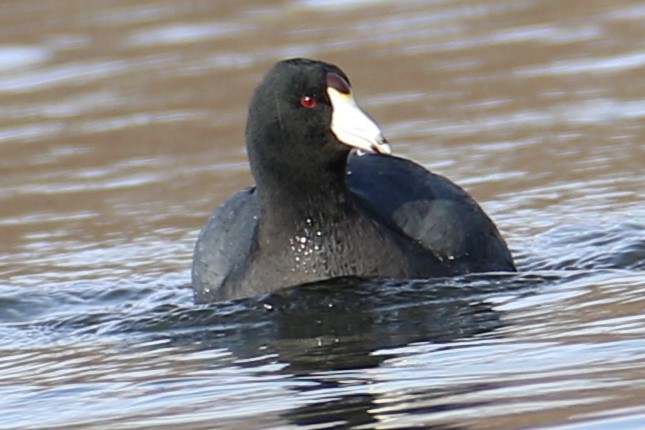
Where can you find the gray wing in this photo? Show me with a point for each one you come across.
(431, 210)
(225, 245)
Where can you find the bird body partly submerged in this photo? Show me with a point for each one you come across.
(318, 212)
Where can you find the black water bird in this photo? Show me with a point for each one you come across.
(320, 210)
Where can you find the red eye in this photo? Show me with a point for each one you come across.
(308, 102)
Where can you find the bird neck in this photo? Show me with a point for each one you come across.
(289, 195)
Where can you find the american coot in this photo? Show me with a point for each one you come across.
(319, 212)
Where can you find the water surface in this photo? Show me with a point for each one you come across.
(121, 129)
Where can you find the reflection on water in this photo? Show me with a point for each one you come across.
(16, 57)
(121, 128)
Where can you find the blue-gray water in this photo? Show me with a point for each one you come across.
(121, 128)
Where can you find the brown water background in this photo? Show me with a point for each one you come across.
(121, 129)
